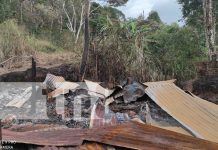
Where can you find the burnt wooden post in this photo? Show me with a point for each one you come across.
(33, 97)
(33, 70)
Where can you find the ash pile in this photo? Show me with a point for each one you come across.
(88, 104)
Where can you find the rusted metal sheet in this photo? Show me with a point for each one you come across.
(58, 137)
(32, 127)
(176, 129)
(130, 135)
(140, 136)
(198, 116)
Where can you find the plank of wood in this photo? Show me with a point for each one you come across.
(96, 88)
(20, 100)
(64, 88)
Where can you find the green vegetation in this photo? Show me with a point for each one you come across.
(15, 41)
(12, 40)
(202, 15)
(145, 48)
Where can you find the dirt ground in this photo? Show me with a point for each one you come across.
(43, 60)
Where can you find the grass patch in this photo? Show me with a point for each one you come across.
(15, 41)
(43, 45)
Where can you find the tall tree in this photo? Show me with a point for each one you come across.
(86, 41)
(202, 14)
(154, 16)
(209, 23)
(72, 20)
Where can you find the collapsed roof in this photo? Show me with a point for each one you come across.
(197, 117)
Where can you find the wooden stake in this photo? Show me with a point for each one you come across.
(33, 102)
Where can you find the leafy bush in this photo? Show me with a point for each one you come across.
(176, 50)
(12, 40)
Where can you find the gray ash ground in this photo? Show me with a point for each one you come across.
(11, 91)
(70, 105)
(139, 108)
(61, 111)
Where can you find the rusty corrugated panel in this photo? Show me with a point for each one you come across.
(173, 128)
(140, 136)
(32, 127)
(58, 137)
(212, 106)
(130, 135)
(198, 116)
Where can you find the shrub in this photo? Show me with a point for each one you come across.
(12, 40)
(15, 41)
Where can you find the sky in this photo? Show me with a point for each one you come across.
(168, 10)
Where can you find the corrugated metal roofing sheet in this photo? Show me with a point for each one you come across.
(197, 115)
(130, 135)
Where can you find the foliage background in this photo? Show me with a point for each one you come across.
(145, 48)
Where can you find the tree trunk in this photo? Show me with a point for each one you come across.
(209, 23)
(86, 41)
(80, 24)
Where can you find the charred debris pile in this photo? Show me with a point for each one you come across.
(150, 109)
(121, 104)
